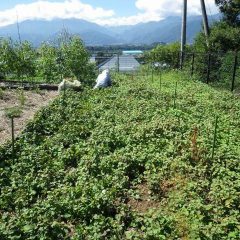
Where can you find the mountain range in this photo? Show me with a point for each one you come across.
(167, 30)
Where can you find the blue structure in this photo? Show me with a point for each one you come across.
(132, 52)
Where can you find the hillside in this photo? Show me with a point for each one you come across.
(167, 30)
(37, 31)
(134, 161)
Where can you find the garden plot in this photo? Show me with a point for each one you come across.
(154, 158)
(28, 101)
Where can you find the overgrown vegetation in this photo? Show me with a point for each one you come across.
(165, 54)
(230, 10)
(79, 165)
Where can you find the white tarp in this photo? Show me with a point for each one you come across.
(103, 80)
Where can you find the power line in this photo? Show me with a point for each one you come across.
(18, 29)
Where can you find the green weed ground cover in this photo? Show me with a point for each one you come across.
(81, 164)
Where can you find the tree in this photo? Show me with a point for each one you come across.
(223, 38)
(48, 65)
(168, 54)
(230, 10)
(223, 41)
(76, 60)
(8, 58)
(26, 55)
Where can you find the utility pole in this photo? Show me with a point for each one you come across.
(184, 32)
(205, 19)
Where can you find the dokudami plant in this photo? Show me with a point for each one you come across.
(142, 141)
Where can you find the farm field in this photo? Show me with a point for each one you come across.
(31, 102)
(144, 159)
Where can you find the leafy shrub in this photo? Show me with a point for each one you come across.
(167, 54)
(221, 46)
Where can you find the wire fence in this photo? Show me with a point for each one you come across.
(222, 69)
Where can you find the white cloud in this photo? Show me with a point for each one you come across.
(50, 10)
(149, 10)
(165, 7)
(132, 20)
(155, 10)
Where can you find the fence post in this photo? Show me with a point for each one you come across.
(192, 66)
(182, 56)
(175, 95)
(215, 137)
(12, 125)
(208, 67)
(152, 73)
(179, 57)
(118, 63)
(234, 70)
(160, 78)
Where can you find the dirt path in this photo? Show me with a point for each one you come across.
(33, 101)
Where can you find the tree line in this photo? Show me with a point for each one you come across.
(216, 53)
(50, 63)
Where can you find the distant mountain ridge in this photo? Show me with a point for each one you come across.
(167, 30)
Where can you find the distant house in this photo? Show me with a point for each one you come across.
(132, 52)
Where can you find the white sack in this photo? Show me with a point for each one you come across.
(103, 80)
(65, 84)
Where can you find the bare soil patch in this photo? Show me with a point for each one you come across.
(33, 101)
(145, 201)
(150, 200)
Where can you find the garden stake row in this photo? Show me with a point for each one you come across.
(234, 71)
(160, 79)
(175, 95)
(152, 74)
(215, 137)
(192, 65)
(13, 139)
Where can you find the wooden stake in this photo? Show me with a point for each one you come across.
(215, 137)
(234, 71)
(13, 138)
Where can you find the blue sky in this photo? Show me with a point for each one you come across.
(118, 6)
(103, 12)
